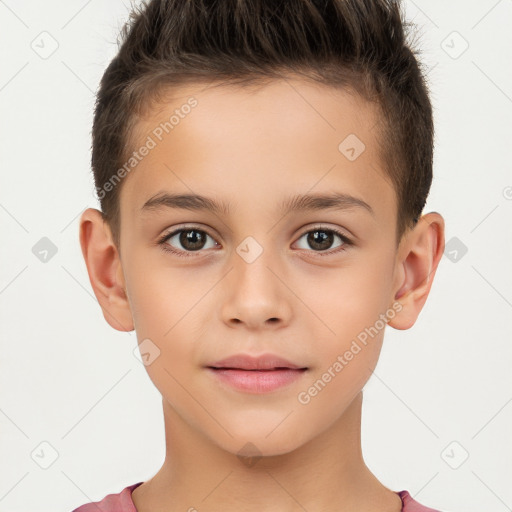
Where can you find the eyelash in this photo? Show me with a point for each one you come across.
(187, 254)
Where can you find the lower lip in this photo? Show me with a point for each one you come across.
(257, 381)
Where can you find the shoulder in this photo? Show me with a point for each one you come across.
(119, 502)
(411, 505)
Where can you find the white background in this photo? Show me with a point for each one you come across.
(68, 379)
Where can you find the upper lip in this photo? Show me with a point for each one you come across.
(248, 362)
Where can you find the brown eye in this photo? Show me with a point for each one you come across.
(192, 239)
(322, 239)
(185, 241)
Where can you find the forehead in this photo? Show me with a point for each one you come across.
(253, 145)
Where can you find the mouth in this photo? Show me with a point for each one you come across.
(264, 362)
(274, 369)
(256, 380)
(256, 374)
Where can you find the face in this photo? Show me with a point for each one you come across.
(313, 286)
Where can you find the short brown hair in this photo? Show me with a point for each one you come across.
(357, 44)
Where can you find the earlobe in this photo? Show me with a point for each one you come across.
(105, 270)
(418, 261)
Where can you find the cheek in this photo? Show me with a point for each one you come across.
(168, 307)
(344, 361)
(162, 317)
(161, 297)
(352, 305)
(351, 298)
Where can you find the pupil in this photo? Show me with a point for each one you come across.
(322, 235)
(192, 239)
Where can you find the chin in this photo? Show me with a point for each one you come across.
(252, 444)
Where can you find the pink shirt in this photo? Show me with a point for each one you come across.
(122, 502)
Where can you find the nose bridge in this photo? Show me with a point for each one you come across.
(256, 293)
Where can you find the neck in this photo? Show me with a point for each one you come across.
(326, 474)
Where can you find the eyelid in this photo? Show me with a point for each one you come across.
(186, 227)
(325, 227)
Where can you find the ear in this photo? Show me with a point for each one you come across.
(418, 257)
(105, 271)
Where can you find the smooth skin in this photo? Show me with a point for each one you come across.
(254, 148)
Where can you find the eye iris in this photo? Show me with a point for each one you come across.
(315, 240)
(194, 237)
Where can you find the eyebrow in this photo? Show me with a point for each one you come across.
(300, 202)
(334, 200)
(192, 202)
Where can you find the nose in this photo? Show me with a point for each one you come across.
(256, 296)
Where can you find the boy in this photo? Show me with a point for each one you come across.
(262, 169)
